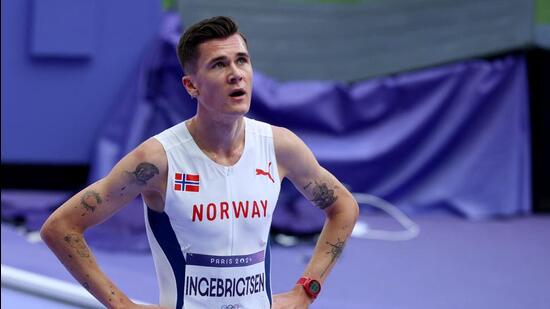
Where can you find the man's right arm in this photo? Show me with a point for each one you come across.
(141, 171)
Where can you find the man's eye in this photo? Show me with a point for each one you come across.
(218, 65)
(241, 60)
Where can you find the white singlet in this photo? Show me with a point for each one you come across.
(210, 245)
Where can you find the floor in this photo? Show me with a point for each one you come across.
(453, 263)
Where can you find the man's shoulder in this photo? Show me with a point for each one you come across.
(285, 141)
(151, 149)
(283, 133)
(280, 132)
(293, 155)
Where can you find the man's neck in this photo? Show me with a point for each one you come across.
(221, 140)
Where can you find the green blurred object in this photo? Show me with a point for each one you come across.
(542, 11)
(168, 5)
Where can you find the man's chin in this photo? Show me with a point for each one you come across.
(239, 110)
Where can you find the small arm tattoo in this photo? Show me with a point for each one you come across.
(323, 196)
(143, 172)
(112, 293)
(335, 251)
(90, 200)
(77, 243)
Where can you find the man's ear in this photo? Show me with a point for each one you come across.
(189, 86)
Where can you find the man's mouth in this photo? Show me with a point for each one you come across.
(237, 93)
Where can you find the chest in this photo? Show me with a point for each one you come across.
(215, 202)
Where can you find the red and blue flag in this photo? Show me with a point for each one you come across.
(186, 182)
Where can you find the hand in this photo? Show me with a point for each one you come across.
(295, 299)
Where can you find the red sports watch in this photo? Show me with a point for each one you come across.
(311, 286)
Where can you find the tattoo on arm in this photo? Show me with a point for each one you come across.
(90, 200)
(143, 172)
(335, 251)
(323, 197)
(77, 243)
(112, 295)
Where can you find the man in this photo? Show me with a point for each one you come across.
(210, 185)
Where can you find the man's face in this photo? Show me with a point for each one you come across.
(222, 82)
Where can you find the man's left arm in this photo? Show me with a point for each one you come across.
(298, 164)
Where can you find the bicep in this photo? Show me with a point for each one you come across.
(321, 188)
(91, 206)
(302, 168)
(136, 173)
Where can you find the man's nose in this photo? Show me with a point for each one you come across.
(235, 76)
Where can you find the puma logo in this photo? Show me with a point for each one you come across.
(265, 173)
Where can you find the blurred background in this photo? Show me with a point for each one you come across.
(435, 113)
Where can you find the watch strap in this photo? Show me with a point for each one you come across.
(305, 282)
(302, 280)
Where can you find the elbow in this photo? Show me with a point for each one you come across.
(353, 211)
(350, 215)
(52, 229)
(347, 209)
(48, 230)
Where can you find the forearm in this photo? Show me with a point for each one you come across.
(71, 249)
(331, 242)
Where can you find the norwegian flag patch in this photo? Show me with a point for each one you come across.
(186, 182)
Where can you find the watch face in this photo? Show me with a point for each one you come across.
(314, 287)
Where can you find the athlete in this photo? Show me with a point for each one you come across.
(209, 185)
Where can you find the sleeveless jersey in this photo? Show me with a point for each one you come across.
(210, 245)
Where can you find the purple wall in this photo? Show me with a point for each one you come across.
(59, 81)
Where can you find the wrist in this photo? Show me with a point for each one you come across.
(299, 291)
(309, 287)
